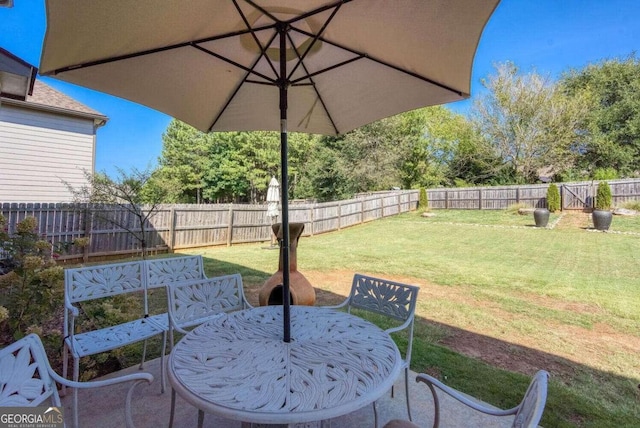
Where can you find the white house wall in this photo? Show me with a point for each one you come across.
(40, 151)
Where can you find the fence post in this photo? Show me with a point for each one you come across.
(88, 231)
(399, 204)
(446, 199)
(362, 211)
(382, 207)
(479, 199)
(339, 214)
(517, 195)
(172, 228)
(230, 226)
(313, 218)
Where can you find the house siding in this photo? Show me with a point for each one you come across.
(39, 151)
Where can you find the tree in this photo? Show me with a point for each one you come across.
(553, 198)
(372, 152)
(108, 198)
(530, 123)
(423, 201)
(475, 162)
(184, 161)
(327, 176)
(444, 135)
(603, 196)
(613, 121)
(227, 166)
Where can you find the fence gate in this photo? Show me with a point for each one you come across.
(577, 196)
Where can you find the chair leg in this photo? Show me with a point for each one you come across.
(163, 369)
(200, 418)
(65, 366)
(144, 354)
(375, 415)
(406, 391)
(173, 407)
(436, 405)
(76, 376)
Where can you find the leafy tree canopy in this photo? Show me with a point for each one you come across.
(529, 122)
(612, 88)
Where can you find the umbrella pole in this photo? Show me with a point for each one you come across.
(284, 180)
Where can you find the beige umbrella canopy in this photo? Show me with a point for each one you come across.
(315, 66)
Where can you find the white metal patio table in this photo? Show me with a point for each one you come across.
(237, 366)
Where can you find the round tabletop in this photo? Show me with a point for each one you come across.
(237, 365)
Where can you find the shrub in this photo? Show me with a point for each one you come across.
(423, 202)
(30, 281)
(553, 198)
(515, 208)
(603, 196)
(632, 205)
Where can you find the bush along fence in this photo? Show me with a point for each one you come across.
(573, 196)
(182, 226)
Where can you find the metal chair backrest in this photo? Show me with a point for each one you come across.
(24, 374)
(194, 302)
(388, 298)
(384, 297)
(532, 405)
(165, 271)
(94, 282)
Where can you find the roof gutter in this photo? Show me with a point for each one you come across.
(99, 119)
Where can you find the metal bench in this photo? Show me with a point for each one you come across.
(103, 281)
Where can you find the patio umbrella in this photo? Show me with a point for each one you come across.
(315, 66)
(273, 198)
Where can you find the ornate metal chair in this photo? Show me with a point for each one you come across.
(27, 379)
(195, 302)
(527, 414)
(390, 299)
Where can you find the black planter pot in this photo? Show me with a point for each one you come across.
(601, 219)
(541, 216)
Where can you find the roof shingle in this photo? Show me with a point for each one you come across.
(45, 95)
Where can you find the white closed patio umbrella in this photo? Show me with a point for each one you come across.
(273, 198)
(315, 66)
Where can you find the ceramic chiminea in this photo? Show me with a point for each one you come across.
(300, 289)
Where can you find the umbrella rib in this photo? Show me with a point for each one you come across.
(386, 64)
(309, 76)
(152, 51)
(263, 49)
(324, 70)
(245, 79)
(299, 17)
(249, 70)
(313, 42)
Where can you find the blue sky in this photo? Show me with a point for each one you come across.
(546, 36)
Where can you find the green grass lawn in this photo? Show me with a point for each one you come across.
(564, 295)
(625, 224)
(485, 217)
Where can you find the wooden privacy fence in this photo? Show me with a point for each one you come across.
(574, 196)
(175, 227)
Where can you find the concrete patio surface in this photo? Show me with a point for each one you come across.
(104, 408)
